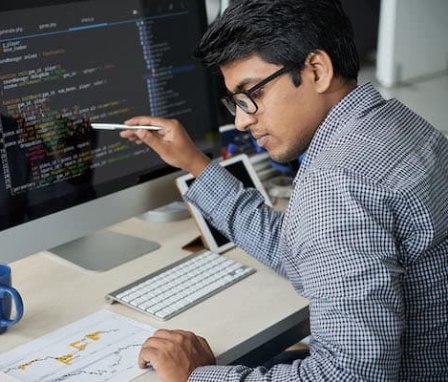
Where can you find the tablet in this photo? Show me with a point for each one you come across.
(240, 167)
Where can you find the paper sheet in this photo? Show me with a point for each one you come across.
(101, 347)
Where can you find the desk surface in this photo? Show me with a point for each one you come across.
(235, 321)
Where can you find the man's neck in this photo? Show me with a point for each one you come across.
(339, 89)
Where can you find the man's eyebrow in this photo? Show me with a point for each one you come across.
(245, 82)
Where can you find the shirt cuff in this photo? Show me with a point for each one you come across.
(210, 374)
(211, 187)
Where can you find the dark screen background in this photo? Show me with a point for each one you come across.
(66, 65)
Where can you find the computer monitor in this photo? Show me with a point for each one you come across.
(66, 64)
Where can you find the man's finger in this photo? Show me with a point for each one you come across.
(151, 138)
(205, 344)
(149, 350)
(168, 334)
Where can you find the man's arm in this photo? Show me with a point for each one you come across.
(171, 143)
(241, 214)
(342, 249)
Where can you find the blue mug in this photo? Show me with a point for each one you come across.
(7, 295)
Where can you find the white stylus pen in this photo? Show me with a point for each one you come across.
(115, 126)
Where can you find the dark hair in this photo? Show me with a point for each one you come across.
(282, 32)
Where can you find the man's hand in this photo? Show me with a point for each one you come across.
(172, 143)
(174, 354)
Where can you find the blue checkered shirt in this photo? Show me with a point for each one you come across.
(364, 238)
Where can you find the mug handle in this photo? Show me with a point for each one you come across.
(19, 306)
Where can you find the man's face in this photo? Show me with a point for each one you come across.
(287, 116)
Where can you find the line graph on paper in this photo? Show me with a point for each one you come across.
(101, 347)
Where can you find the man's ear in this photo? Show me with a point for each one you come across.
(321, 69)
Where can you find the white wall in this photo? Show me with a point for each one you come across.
(412, 41)
(214, 7)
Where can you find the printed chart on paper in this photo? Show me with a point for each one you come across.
(101, 347)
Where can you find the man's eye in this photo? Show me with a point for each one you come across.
(257, 93)
(242, 103)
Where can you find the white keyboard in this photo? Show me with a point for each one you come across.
(170, 291)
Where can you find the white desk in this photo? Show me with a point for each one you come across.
(236, 321)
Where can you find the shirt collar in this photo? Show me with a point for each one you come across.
(356, 103)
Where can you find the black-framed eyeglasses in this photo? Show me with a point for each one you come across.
(244, 100)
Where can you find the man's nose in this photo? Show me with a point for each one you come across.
(243, 120)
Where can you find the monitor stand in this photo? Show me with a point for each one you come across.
(104, 250)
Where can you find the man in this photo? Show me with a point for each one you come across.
(365, 235)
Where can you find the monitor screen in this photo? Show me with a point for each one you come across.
(66, 64)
